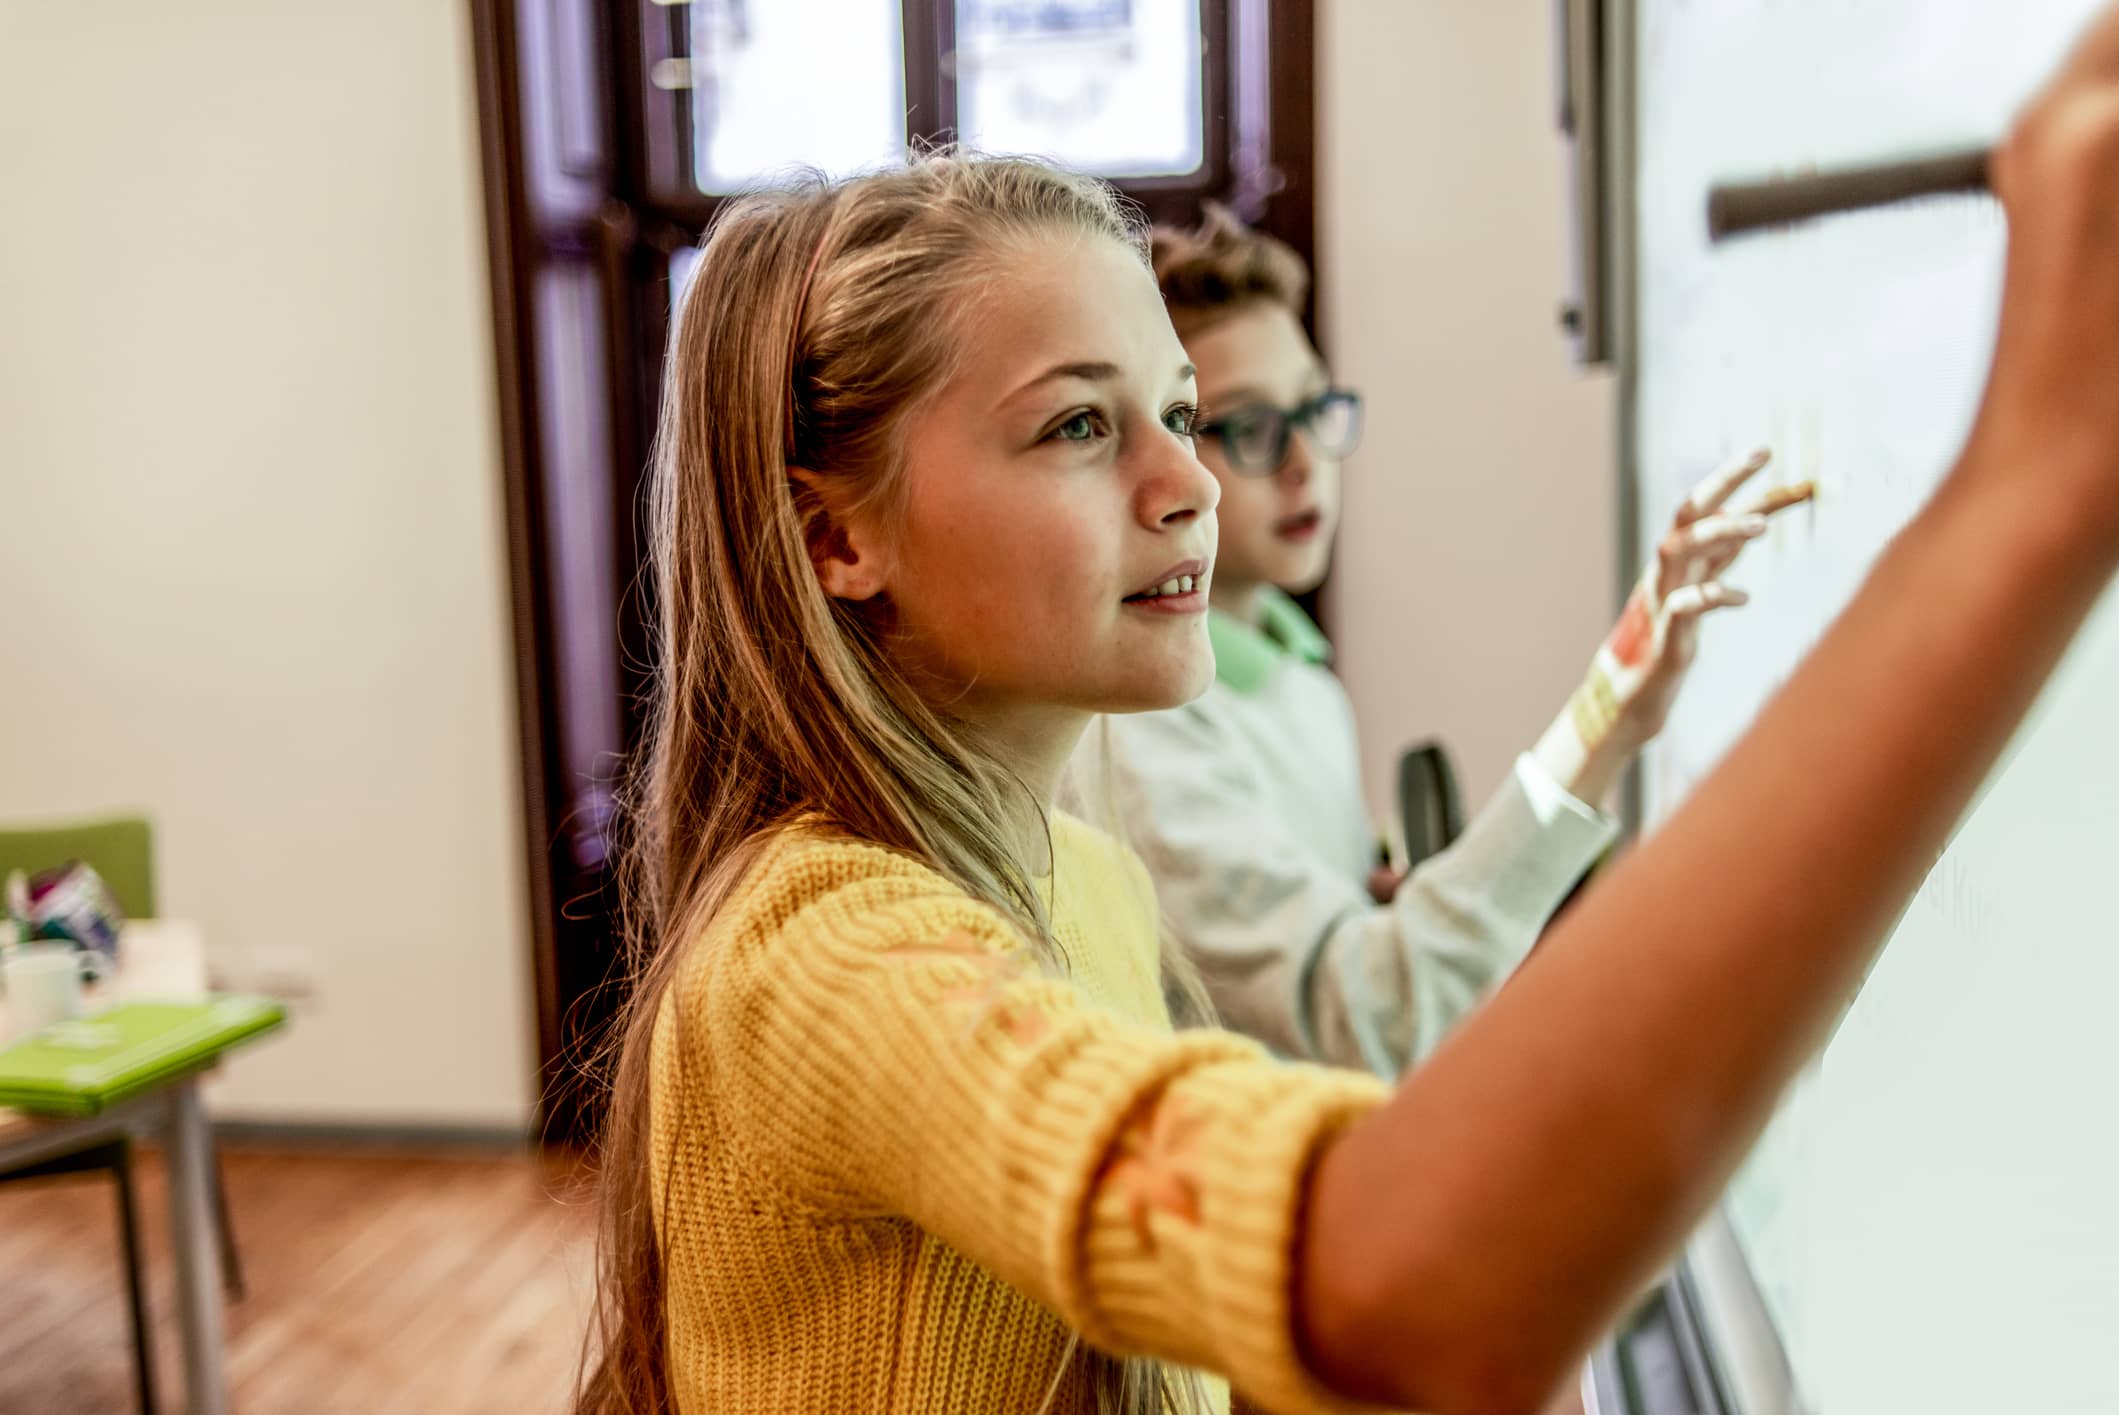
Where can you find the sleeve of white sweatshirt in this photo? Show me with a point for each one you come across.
(1298, 954)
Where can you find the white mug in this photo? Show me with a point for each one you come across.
(43, 983)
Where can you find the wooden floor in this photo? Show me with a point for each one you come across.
(377, 1283)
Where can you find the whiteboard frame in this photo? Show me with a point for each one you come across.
(1622, 250)
(1712, 1279)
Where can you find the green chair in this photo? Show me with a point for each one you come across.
(121, 850)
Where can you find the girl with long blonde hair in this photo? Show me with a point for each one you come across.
(899, 1122)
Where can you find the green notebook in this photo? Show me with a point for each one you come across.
(84, 1066)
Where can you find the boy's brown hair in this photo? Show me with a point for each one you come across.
(1215, 269)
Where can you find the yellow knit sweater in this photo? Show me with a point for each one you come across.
(895, 1162)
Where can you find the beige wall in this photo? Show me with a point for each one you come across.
(251, 566)
(1475, 568)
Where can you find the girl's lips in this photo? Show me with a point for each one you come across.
(1190, 602)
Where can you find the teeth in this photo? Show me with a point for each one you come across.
(1180, 584)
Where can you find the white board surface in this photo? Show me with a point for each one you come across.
(1934, 1218)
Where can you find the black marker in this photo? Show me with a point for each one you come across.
(1734, 208)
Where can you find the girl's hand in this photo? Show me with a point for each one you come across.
(2050, 401)
(1636, 674)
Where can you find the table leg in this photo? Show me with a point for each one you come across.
(189, 1137)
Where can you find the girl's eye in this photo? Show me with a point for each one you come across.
(1081, 427)
(1182, 419)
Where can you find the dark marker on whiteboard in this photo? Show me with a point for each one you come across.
(1734, 208)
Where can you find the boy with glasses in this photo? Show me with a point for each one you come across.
(1247, 805)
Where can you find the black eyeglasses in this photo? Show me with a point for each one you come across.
(1255, 439)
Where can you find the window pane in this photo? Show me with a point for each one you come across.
(682, 262)
(774, 85)
(1109, 86)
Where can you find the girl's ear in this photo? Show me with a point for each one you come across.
(844, 548)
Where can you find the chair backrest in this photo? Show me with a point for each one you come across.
(1430, 810)
(119, 848)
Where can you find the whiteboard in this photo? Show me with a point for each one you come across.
(1933, 1219)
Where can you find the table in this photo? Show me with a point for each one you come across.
(161, 959)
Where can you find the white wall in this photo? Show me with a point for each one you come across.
(1475, 568)
(252, 577)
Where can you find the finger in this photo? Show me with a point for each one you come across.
(1710, 495)
(1716, 533)
(1715, 559)
(1713, 567)
(1692, 601)
(1691, 554)
(1781, 498)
